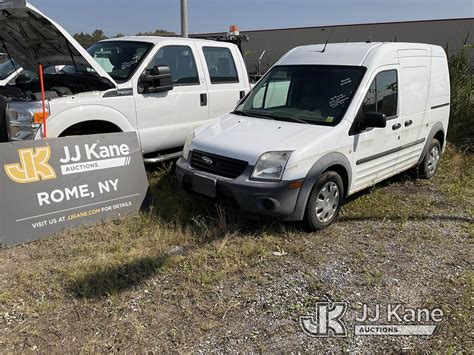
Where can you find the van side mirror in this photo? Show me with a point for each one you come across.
(374, 120)
(155, 80)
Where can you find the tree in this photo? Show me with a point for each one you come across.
(461, 130)
(86, 39)
(158, 32)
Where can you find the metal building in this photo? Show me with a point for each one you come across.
(451, 34)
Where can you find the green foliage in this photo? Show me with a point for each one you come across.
(88, 39)
(158, 32)
(461, 130)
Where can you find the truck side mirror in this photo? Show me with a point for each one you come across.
(155, 80)
(374, 120)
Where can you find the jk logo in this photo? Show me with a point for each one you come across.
(33, 166)
(327, 321)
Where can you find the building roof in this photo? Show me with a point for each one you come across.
(344, 25)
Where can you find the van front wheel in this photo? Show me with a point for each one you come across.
(325, 201)
(429, 165)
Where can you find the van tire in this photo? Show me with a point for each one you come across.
(325, 201)
(429, 166)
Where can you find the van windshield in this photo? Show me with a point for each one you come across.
(119, 59)
(315, 94)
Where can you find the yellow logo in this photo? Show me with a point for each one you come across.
(33, 166)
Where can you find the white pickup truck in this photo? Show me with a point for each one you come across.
(160, 87)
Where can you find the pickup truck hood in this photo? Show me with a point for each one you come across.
(247, 138)
(31, 39)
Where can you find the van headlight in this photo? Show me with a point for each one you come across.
(271, 166)
(24, 119)
(187, 146)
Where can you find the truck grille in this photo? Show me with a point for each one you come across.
(218, 165)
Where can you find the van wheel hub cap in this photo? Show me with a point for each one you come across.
(328, 202)
(433, 160)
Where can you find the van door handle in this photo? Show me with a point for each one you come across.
(408, 123)
(242, 94)
(397, 126)
(203, 99)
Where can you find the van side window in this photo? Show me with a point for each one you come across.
(182, 64)
(383, 94)
(221, 65)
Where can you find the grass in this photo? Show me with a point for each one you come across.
(166, 279)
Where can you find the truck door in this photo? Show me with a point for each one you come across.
(227, 78)
(414, 84)
(376, 150)
(166, 119)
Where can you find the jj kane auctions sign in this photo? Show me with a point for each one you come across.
(56, 184)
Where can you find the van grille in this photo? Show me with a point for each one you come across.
(218, 165)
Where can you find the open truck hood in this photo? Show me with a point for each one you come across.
(31, 39)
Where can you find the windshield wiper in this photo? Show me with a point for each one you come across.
(292, 119)
(270, 117)
(240, 113)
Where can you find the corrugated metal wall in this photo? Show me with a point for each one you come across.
(449, 34)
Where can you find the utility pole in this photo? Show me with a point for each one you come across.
(184, 18)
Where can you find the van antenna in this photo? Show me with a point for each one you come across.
(329, 37)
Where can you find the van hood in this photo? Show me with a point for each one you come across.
(31, 38)
(247, 138)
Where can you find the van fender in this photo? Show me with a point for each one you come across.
(326, 162)
(63, 120)
(438, 126)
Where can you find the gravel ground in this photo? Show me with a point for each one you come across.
(194, 282)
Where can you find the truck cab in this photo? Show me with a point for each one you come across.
(160, 87)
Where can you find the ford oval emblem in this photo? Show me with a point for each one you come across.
(207, 160)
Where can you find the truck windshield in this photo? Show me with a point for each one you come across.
(316, 94)
(119, 59)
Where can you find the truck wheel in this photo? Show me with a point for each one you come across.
(429, 166)
(325, 201)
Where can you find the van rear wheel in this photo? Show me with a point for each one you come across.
(430, 163)
(325, 201)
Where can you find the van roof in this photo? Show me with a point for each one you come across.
(355, 54)
(157, 39)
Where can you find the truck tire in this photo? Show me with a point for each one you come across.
(429, 165)
(325, 201)
(3, 120)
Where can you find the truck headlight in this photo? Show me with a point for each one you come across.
(187, 146)
(271, 166)
(24, 119)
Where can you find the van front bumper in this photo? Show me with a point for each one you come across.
(269, 199)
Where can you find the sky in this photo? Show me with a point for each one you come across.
(132, 16)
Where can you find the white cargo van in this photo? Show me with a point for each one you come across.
(160, 87)
(321, 125)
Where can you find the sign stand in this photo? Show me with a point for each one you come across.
(43, 99)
